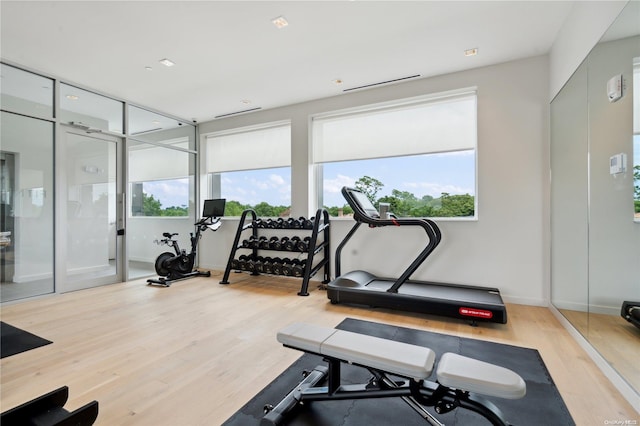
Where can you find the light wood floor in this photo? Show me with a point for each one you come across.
(193, 353)
(616, 339)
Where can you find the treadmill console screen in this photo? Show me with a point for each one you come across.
(365, 204)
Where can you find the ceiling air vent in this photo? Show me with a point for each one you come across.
(238, 112)
(381, 83)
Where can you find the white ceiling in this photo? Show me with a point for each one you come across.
(227, 52)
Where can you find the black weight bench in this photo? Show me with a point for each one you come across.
(47, 410)
(461, 381)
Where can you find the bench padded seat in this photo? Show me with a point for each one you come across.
(460, 372)
(406, 360)
(393, 357)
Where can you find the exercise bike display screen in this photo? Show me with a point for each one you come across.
(214, 208)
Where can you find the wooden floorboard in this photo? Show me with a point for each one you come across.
(193, 353)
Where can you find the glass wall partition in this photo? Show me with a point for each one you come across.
(161, 188)
(90, 110)
(26, 184)
(26, 93)
(26, 222)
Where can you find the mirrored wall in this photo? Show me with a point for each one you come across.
(595, 168)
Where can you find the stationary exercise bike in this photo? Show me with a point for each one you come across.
(179, 265)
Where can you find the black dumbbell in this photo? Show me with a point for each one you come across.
(257, 223)
(291, 244)
(280, 223)
(287, 266)
(263, 243)
(308, 223)
(304, 222)
(283, 243)
(242, 262)
(298, 269)
(276, 266)
(274, 243)
(267, 265)
(250, 265)
(258, 264)
(303, 245)
(235, 264)
(251, 242)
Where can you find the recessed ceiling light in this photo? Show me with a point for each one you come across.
(280, 22)
(471, 52)
(245, 101)
(337, 81)
(167, 62)
(72, 97)
(155, 122)
(148, 68)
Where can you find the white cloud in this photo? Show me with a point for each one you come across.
(277, 180)
(334, 186)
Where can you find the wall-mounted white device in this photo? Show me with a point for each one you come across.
(618, 164)
(614, 88)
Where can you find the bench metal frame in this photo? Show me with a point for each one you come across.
(416, 393)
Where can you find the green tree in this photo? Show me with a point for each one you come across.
(150, 206)
(370, 186)
(175, 211)
(456, 205)
(234, 208)
(264, 209)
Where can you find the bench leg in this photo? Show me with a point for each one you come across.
(276, 415)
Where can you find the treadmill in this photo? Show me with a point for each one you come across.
(363, 288)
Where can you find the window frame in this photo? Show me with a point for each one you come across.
(396, 105)
(214, 178)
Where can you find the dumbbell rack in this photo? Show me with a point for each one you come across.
(250, 222)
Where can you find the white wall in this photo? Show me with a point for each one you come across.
(584, 26)
(507, 246)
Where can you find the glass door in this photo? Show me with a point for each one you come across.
(91, 209)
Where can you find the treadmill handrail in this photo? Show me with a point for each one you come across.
(361, 216)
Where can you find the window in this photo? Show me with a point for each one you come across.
(89, 109)
(417, 154)
(26, 93)
(251, 168)
(160, 180)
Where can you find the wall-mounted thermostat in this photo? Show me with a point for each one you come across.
(618, 164)
(614, 88)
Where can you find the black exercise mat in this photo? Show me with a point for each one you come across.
(14, 340)
(542, 405)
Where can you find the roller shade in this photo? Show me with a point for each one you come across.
(249, 149)
(424, 126)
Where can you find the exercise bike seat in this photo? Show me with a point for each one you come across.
(168, 235)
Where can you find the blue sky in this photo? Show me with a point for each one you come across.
(421, 175)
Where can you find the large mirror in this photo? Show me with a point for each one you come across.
(595, 226)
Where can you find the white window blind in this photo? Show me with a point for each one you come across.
(249, 149)
(420, 126)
